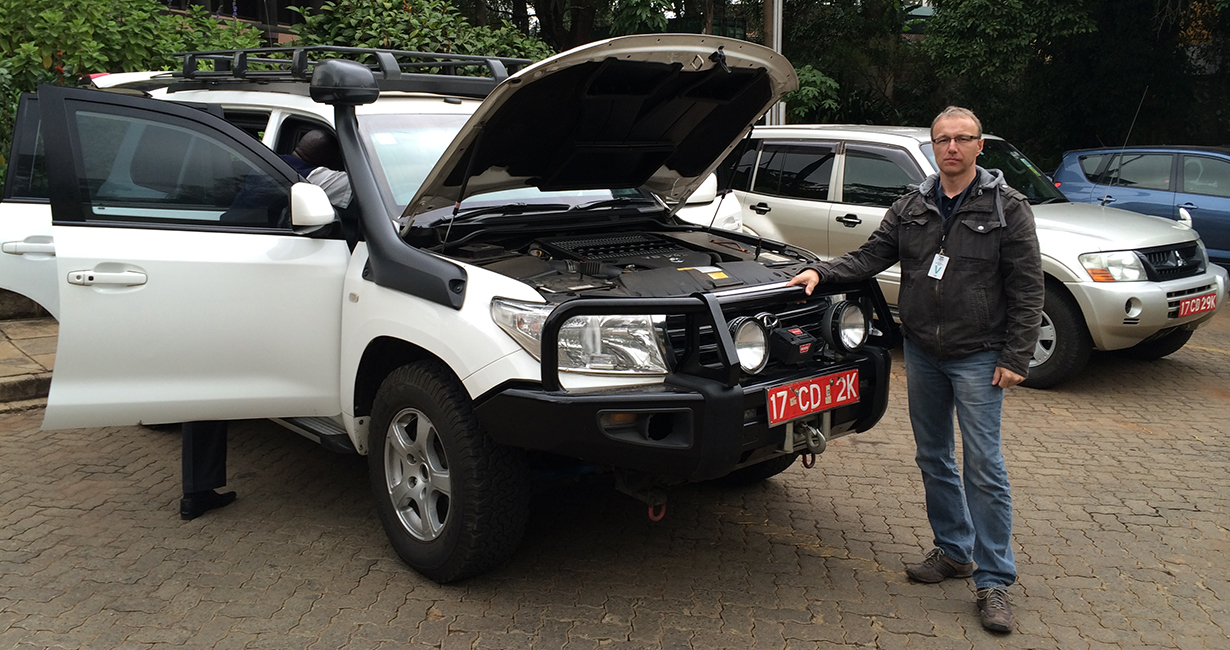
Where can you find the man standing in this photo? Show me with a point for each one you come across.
(970, 306)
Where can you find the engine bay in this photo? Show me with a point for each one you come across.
(637, 264)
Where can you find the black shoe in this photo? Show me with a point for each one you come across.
(195, 504)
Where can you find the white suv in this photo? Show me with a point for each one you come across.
(507, 289)
(1114, 280)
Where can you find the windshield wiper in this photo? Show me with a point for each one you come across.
(607, 203)
(510, 208)
(1061, 199)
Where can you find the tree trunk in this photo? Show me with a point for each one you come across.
(521, 16)
(768, 22)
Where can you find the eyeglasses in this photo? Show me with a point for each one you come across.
(961, 139)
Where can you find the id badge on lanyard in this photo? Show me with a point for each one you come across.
(940, 262)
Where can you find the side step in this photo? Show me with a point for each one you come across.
(324, 431)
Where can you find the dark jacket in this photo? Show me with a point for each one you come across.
(990, 297)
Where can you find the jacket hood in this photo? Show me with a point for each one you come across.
(987, 178)
(656, 112)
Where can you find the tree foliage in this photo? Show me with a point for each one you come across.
(58, 42)
(421, 26)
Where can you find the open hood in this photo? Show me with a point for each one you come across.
(656, 112)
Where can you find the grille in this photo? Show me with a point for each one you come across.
(806, 317)
(1172, 262)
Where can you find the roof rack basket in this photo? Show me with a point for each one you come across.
(449, 74)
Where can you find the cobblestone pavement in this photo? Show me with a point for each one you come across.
(1120, 478)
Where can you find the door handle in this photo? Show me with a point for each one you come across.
(1108, 199)
(1189, 205)
(24, 247)
(850, 220)
(761, 208)
(91, 278)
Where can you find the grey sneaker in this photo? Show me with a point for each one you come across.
(937, 567)
(994, 609)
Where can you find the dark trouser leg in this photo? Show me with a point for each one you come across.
(204, 456)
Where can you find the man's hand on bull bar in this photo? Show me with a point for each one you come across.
(809, 279)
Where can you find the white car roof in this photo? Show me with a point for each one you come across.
(885, 134)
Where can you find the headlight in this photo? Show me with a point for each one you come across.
(1117, 266)
(751, 343)
(616, 344)
(845, 326)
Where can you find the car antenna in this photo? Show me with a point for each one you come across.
(723, 191)
(1128, 137)
(465, 182)
(1133, 124)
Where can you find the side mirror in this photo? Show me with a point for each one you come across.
(1185, 217)
(310, 208)
(706, 192)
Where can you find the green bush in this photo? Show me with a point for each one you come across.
(421, 26)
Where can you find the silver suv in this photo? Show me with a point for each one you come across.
(1115, 280)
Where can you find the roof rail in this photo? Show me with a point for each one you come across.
(394, 69)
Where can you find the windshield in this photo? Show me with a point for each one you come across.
(1019, 171)
(405, 148)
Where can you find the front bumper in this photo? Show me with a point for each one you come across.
(1122, 314)
(705, 420)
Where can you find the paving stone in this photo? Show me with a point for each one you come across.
(1120, 488)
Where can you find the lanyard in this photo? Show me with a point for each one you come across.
(952, 216)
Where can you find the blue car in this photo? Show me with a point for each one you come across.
(1170, 182)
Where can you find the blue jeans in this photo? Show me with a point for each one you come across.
(974, 523)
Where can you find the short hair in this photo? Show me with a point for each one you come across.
(318, 147)
(957, 111)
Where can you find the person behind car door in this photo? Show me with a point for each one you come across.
(970, 305)
(315, 157)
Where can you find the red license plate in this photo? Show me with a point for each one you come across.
(1197, 304)
(794, 400)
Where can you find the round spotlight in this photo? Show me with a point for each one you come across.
(845, 326)
(751, 343)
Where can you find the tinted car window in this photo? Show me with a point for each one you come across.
(877, 175)
(27, 177)
(1148, 171)
(796, 171)
(736, 171)
(1022, 175)
(1203, 175)
(142, 170)
(1090, 165)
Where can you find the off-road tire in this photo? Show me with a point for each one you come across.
(753, 474)
(486, 485)
(1064, 344)
(1158, 348)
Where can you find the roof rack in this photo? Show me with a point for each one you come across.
(394, 69)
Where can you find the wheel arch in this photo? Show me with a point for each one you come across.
(380, 358)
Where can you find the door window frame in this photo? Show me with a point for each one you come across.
(59, 107)
(840, 183)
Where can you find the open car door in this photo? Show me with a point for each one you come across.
(27, 252)
(184, 292)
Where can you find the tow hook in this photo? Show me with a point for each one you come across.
(814, 437)
(643, 488)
